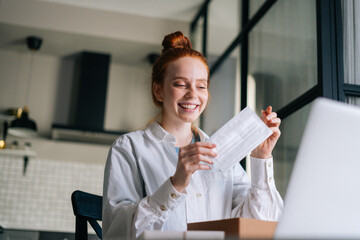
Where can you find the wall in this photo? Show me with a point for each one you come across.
(128, 107)
(129, 102)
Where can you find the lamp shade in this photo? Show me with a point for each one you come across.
(23, 126)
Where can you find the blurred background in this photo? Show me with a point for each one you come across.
(83, 69)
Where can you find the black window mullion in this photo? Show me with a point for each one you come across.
(244, 60)
(351, 90)
(199, 14)
(244, 54)
(329, 47)
(205, 28)
(339, 49)
(299, 102)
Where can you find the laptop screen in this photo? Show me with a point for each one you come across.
(323, 195)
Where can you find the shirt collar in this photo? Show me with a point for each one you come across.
(156, 133)
(203, 136)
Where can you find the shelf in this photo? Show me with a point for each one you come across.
(16, 152)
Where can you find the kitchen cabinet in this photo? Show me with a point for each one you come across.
(12, 234)
(19, 235)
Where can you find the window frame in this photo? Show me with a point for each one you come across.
(330, 82)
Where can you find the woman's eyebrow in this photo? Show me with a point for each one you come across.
(179, 77)
(201, 79)
(185, 78)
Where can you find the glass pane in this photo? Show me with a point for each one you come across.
(282, 53)
(197, 35)
(351, 43)
(292, 129)
(353, 101)
(224, 90)
(223, 25)
(254, 6)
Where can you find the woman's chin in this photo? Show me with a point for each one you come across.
(189, 119)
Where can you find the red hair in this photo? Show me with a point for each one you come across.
(175, 46)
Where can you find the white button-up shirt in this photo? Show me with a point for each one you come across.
(138, 194)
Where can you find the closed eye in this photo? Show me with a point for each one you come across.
(179, 85)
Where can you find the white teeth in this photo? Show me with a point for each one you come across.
(188, 106)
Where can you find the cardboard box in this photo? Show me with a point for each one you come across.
(242, 228)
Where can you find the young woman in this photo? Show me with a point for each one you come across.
(161, 178)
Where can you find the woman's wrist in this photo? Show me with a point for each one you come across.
(261, 155)
(177, 187)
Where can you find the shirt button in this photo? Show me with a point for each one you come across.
(270, 179)
(198, 194)
(163, 208)
(173, 195)
(269, 164)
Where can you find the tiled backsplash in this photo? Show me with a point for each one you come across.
(41, 200)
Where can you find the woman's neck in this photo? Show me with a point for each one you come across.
(182, 132)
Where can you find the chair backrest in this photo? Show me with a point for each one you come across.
(87, 208)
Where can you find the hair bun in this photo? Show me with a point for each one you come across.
(176, 40)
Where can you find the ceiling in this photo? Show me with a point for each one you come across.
(62, 44)
(183, 10)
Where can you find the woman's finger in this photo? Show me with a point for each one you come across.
(263, 113)
(276, 122)
(271, 116)
(195, 159)
(268, 109)
(276, 131)
(201, 150)
(198, 148)
(199, 144)
(200, 167)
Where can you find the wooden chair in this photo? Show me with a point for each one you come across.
(87, 208)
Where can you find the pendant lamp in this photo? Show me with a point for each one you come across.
(23, 126)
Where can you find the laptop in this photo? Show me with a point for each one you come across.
(323, 195)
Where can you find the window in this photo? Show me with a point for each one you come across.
(351, 40)
(289, 53)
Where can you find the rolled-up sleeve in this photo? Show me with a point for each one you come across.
(126, 212)
(260, 198)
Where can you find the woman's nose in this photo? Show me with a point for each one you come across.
(190, 92)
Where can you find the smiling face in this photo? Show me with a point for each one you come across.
(184, 93)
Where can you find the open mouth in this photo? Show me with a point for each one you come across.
(188, 106)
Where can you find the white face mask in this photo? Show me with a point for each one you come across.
(237, 138)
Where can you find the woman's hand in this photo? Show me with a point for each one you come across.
(264, 150)
(189, 162)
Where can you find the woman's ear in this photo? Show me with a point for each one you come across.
(157, 89)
